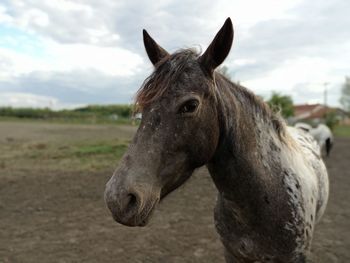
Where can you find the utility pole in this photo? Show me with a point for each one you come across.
(325, 93)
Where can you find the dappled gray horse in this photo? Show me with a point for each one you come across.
(272, 183)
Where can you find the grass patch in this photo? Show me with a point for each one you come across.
(79, 156)
(100, 149)
(47, 148)
(91, 121)
(342, 131)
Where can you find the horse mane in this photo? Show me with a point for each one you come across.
(256, 105)
(168, 70)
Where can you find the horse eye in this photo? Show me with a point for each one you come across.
(189, 106)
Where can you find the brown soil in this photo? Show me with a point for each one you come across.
(48, 216)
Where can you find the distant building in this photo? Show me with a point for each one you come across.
(315, 113)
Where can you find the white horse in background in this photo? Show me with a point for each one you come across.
(321, 133)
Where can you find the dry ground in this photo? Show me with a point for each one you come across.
(52, 179)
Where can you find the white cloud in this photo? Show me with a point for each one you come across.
(301, 70)
(304, 78)
(114, 61)
(4, 17)
(250, 12)
(64, 5)
(69, 57)
(244, 62)
(284, 45)
(34, 16)
(13, 64)
(22, 100)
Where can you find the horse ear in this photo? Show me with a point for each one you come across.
(219, 48)
(154, 51)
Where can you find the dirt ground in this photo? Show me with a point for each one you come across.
(49, 214)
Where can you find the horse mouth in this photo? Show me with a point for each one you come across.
(139, 219)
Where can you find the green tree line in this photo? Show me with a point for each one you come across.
(88, 112)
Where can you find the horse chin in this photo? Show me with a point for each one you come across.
(143, 221)
(139, 220)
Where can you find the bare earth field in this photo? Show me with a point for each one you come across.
(52, 179)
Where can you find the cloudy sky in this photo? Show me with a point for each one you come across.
(63, 53)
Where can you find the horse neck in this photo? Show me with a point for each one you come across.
(250, 139)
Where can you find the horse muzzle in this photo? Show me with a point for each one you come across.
(131, 206)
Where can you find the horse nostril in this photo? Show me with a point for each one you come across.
(131, 202)
(132, 199)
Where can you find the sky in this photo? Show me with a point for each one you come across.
(66, 54)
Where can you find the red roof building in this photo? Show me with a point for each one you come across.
(316, 112)
(311, 111)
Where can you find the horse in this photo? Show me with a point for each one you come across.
(322, 134)
(272, 184)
